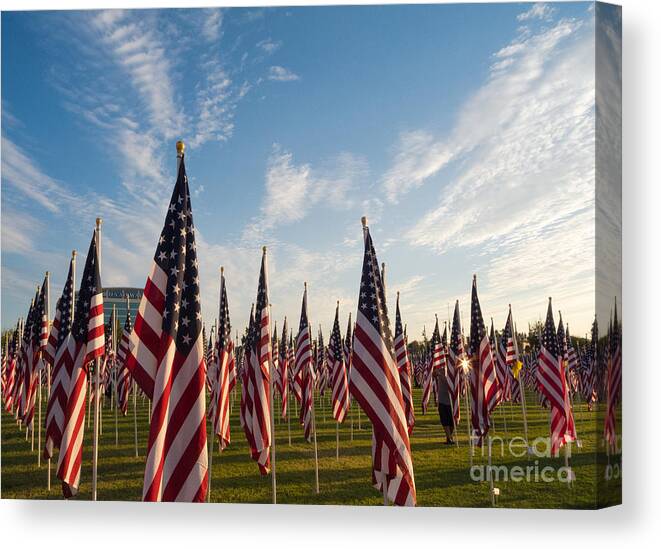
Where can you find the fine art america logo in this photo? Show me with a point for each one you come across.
(540, 448)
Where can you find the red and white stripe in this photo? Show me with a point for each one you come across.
(404, 369)
(80, 355)
(176, 468)
(221, 418)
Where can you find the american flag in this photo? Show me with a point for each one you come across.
(25, 361)
(562, 343)
(456, 357)
(485, 391)
(321, 368)
(63, 365)
(167, 362)
(431, 366)
(552, 384)
(245, 410)
(376, 387)
(294, 385)
(18, 382)
(339, 382)
(404, 368)
(10, 382)
(504, 360)
(512, 359)
(590, 367)
(33, 363)
(84, 343)
(304, 368)
(282, 381)
(124, 376)
(257, 391)
(348, 347)
(614, 384)
(224, 365)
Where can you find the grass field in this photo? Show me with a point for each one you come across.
(442, 473)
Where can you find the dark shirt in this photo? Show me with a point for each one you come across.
(443, 388)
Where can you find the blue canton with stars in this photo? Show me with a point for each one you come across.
(176, 255)
(549, 336)
(89, 286)
(64, 306)
(478, 331)
(372, 300)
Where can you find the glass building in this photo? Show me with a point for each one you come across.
(117, 298)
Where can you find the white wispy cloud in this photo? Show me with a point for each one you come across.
(521, 205)
(22, 173)
(281, 74)
(269, 46)
(537, 11)
(292, 190)
(212, 26)
(19, 232)
(140, 51)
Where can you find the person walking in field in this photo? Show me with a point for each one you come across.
(445, 405)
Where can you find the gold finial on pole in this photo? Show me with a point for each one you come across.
(73, 254)
(181, 147)
(222, 270)
(99, 221)
(47, 273)
(264, 249)
(363, 220)
(305, 285)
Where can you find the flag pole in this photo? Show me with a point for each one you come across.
(47, 372)
(316, 456)
(521, 390)
(31, 426)
(274, 483)
(314, 423)
(134, 390)
(97, 365)
(115, 376)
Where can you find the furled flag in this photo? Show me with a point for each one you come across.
(512, 359)
(18, 381)
(591, 356)
(245, 410)
(348, 347)
(294, 378)
(224, 365)
(166, 358)
(503, 356)
(456, 363)
(34, 363)
(431, 367)
(485, 391)
(304, 367)
(339, 383)
(404, 368)
(85, 342)
(258, 390)
(62, 366)
(283, 373)
(562, 343)
(124, 376)
(8, 393)
(25, 362)
(376, 387)
(613, 384)
(320, 362)
(552, 384)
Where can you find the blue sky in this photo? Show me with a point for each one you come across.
(464, 132)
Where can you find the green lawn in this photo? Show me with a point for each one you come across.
(442, 473)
